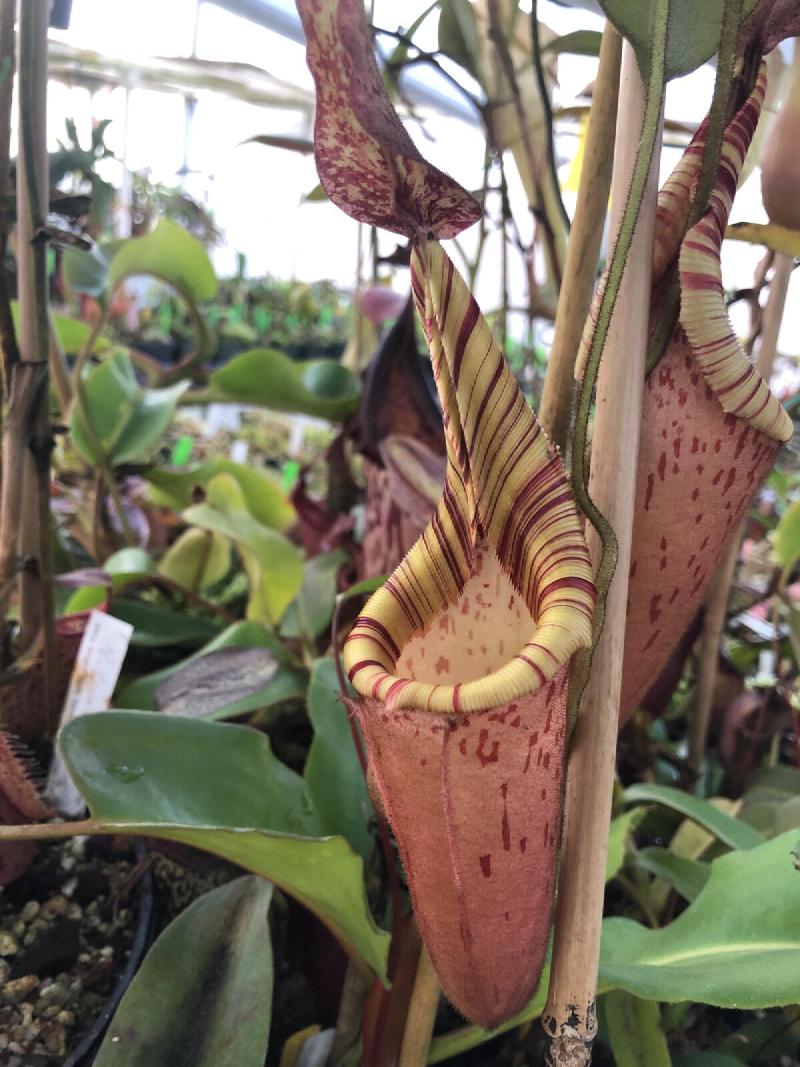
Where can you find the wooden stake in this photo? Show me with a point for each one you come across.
(421, 1014)
(719, 592)
(583, 248)
(570, 1018)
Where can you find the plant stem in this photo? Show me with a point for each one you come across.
(718, 116)
(570, 1019)
(547, 111)
(583, 247)
(104, 467)
(716, 603)
(32, 421)
(421, 1014)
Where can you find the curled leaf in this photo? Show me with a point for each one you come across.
(367, 163)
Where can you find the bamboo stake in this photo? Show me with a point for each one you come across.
(421, 1014)
(8, 340)
(583, 248)
(716, 603)
(570, 1019)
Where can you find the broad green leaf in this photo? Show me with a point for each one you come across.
(618, 834)
(73, 334)
(579, 43)
(634, 1030)
(263, 376)
(128, 564)
(736, 945)
(310, 612)
(85, 271)
(786, 539)
(128, 419)
(772, 800)
(274, 566)
(778, 238)
(85, 598)
(263, 494)
(687, 876)
(219, 788)
(170, 254)
(197, 560)
(732, 832)
(155, 626)
(333, 772)
(229, 682)
(141, 693)
(692, 38)
(204, 992)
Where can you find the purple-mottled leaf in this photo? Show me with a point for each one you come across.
(366, 160)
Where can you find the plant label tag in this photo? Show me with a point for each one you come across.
(97, 666)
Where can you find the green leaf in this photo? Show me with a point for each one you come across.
(204, 992)
(141, 693)
(128, 419)
(333, 772)
(219, 788)
(128, 564)
(458, 35)
(316, 196)
(229, 682)
(85, 598)
(155, 626)
(274, 566)
(687, 876)
(263, 494)
(634, 1031)
(320, 387)
(73, 334)
(618, 834)
(85, 271)
(400, 53)
(197, 560)
(578, 43)
(735, 946)
(772, 798)
(362, 588)
(732, 832)
(310, 612)
(786, 539)
(692, 37)
(170, 254)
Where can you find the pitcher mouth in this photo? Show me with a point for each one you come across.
(480, 651)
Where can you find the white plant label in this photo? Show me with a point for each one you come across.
(97, 666)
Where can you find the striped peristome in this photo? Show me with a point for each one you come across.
(736, 384)
(506, 492)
